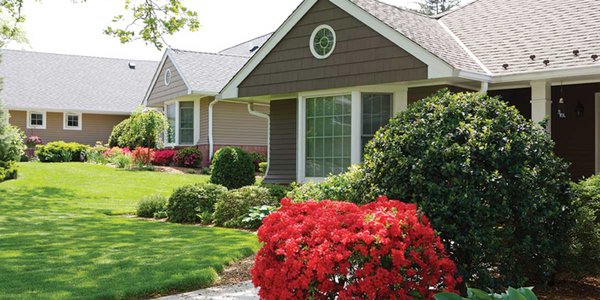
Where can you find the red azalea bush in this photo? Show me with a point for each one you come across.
(114, 151)
(142, 156)
(188, 157)
(339, 250)
(163, 157)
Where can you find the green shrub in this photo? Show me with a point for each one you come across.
(8, 170)
(189, 157)
(257, 159)
(235, 204)
(96, 154)
(346, 186)
(144, 128)
(122, 160)
(232, 167)
(488, 180)
(61, 151)
(262, 167)
(583, 257)
(253, 219)
(476, 294)
(11, 143)
(277, 191)
(152, 206)
(189, 201)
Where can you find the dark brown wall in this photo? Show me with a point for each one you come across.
(519, 98)
(417, 93)
(361, 57)
(283, 142)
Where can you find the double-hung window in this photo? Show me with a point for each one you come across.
(376, 113)
(171, 113)
(36, 120)
(181, 116)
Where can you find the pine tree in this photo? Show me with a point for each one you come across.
(434, 7)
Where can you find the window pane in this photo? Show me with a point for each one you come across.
(171, 115)
(376, 113)
(186, 122)
(328, 135)
(36, 119)
(72, 121)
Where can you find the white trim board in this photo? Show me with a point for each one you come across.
(44, 119)
(155, 78)
(79, 121)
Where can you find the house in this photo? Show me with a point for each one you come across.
(336, 70)
(184, 88)
(69, 97)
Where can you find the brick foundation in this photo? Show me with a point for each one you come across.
(248, 148)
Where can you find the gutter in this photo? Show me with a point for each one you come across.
(268, 117)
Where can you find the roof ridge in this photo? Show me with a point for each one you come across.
(446, 13)
(237, 45)
(78, 55)
(209, 53)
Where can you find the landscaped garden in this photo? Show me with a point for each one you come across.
(64, 234)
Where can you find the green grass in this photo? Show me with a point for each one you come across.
(61, 237)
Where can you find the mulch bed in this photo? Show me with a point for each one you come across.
(236, 272)
(586, 289)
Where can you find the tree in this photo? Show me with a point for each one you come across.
(149, 20)
(434, 7)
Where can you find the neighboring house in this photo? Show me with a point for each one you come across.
(69, 97)
(336, 70)
(184, 87)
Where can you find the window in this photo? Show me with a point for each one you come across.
(186, 123)
(322, 41)
(168, 76)
(376, 113)
(328, 135)
(36, 120)
(171, 112)
(72, 121)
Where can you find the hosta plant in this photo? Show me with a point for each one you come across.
(475, 294)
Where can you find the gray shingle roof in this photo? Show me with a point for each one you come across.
(244, 48)
(34, 80)
(510, 31)
(423, 30)
(207, 72)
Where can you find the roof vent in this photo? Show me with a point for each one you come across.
(505, 66)
(595, 57)
(132, 65)
(532, 57)
(576, 52)
(546, 62)
(253, 49)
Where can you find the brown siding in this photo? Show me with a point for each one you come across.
(161, 92)
(233, 125)
(519, 98)
(418, 93)
(204, 102)
(95, 127)
(361, 57)
(283, 142)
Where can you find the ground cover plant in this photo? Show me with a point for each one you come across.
(339, 250)
(61, 236)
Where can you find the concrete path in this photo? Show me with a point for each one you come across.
(244, 290)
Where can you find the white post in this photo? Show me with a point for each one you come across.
(541, 102)
(300, 139)
(197, 121)
(400, 99)
(356, 128)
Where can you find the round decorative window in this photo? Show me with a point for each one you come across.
(168, 76)
(322, 41)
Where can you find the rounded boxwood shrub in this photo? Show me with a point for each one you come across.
(187, 202)
(232, 167)
(486, 177)
(339, 250)
(234, 205)
(151, 206)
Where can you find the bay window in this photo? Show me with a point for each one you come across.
(183, 118)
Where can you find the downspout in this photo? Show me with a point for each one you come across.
(211, 144)
(265, 116)
(484, 88)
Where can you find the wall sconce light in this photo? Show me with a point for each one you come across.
(579, 109)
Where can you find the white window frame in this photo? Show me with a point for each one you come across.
(44, 120)
(399, 96)
(79, 121)
(312, 38)
(196, 121)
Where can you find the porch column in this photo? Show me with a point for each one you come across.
(400, 100)
(355, 152)
(541, 103)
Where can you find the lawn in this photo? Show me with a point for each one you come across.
(63, 235)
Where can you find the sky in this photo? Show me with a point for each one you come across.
(61, 26)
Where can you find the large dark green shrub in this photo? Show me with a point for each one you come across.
(234, 205)
(486, 177)
(583, 257)
(151, 206)
(61, 151)
(144, 128)
(257, 159)
(189, 201)
(232, 167)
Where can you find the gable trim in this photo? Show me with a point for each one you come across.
(161, 65)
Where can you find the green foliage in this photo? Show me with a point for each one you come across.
(144, 128)
(232, 167)
(434, 7)
(486, 177)
(254, 218)
(152, 206)
(257, 159)
(235, 204)
(11, 148)
(475, 294)
(277, 191)
(262, 167)
(189, 201)
(346, 186)
(96, 154)
(122, 160)
(583, 257)
(61, 151)
(190, 157)
(8, 170)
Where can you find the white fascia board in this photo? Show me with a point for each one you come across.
(155, 78)
(548, 75)
(437, 68)
(474, 76)
(55, 110)
(176, 65)
(230, 90)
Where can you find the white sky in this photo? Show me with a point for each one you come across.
(60, 26)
